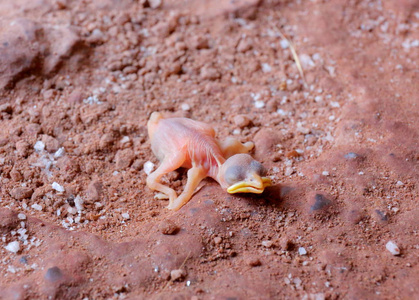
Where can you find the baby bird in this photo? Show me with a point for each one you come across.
(182, 142)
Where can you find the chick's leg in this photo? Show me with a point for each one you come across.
(195, 176)
(169, 164)
(231, 146)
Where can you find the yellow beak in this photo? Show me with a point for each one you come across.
(257, 186)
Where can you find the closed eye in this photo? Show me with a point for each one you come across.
(234, 174)
(258, 168)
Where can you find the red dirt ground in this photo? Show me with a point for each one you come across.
(78, 81)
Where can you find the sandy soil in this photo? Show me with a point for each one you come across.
(78, 80)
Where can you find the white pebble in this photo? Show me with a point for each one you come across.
(13, 247)
(281, 112)
(399, 183)
(325, 173)
(78, 201)
(36, 207)
(302, 251)
(124, 140)
(59, 153)
(266, 68)
(185, 106)
(71, 210)
(393, 248)
(125, 216)
(306, 61)
(236, 131)
(148, 167)
(39, 146)
(21, 216)
(155, 3)
(284, 44)
(289, 171)
(57, 187)
(259, 104)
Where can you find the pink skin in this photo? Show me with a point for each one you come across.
(182, 142)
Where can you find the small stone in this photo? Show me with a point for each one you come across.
(125, 216)
(155, 3)
(289, 171)
(292, 154)
(59, 153)
(325, 173)
(97, 36)
(148, 167)
(245, 45)
(71, 210)
(320, 202)
(33, 129)
(59, 188)
(272, 105)
(168, 227)
(39, 146)
(36, 207)
(259, 104)
(51, 144)
(351, 155)
(199, 42)
(124, 140)
(253, 261)
(185, 107)
(318, 296)
(13, 247)
(53, 274)
(21, 216)
(393, 248)
(218, 240)
(177, 275)
(380, 216)
(284, 44)
(22, 148)
(241, 121)
(94, 191)
(76, 97)
(266, 68)
(78, 202)
(210, 73)
(124, 158)
(21, 193)
(137, 164)
(302, 251)
(267, 244)
(286, 244)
